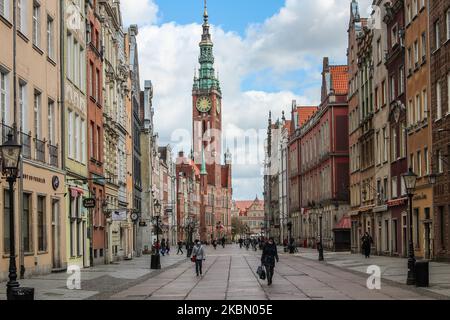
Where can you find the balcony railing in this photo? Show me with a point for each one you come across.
(40, 150)
(26, 145)
(5, 131)
(53, 153)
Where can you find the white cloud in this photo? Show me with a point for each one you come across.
(294, 39)
(139, 12)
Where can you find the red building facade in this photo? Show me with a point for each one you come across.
(324, 161)
(95, 131)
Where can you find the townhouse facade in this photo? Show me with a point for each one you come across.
(439, 38)
(34, 120)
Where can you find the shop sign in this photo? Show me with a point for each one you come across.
(89, 203)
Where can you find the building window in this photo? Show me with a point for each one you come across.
(22, 16)
(438, 100)
(392, 86)
(394, 36)
(69, 60)
(37, 114)
(448, 24)
(402, 140)
(394, 187)
(4, 8)
(410, 112)
(27, 223)
(418, 109)
(440, 161)
(414, 7)
(51, 122)
(50, 38)
(427, 162)
(23, 107)
(71, 135)
(41, 223)
(437, 35)
(98, 84)
(36, 24)
(4, 96)
(448, 93)
(425, 104)
(410, 61)
(419, 163)
(401, 83)
(424, 46)
(99, 144)
(416, 54)
(77, 138)
(383, 92)
(91, 79)
(409, 14)
(6, 217)
(83, 142)
(91, 138)
(394, 144)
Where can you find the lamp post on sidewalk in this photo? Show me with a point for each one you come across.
(320, 243)
(291, 243)
(156, 258)
(410, 179)
(10, 153)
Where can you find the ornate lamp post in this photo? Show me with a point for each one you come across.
(320, 243)
(410, 179)
(156, 259)
(10, 153)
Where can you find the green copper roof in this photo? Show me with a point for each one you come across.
(207, 79)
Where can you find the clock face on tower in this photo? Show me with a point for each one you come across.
(204, 104)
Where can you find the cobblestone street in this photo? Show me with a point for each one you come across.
(230, 274)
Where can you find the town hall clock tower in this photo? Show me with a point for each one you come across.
(207, 105)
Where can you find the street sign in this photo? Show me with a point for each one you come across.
(89, 203)
(142, 224)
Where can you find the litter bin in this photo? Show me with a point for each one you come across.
(155, 263)
(422, 273)
(22, 294)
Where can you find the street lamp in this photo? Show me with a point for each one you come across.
(10, 154)
(156, 259)
(410, 179)
(320, 244)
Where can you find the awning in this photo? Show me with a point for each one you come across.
(76, 192)
(344, 223)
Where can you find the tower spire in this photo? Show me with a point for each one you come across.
(205, 12)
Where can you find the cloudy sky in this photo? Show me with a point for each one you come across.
(268, 53)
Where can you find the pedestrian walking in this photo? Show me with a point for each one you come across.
(198, 255)
(241, 242)
(180, 247)
(367, 242)
(163, 247)
(269, 255)
(167, 248)
(223, 242)
(214, 243)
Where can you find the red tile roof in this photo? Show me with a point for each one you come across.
(304, 113)
(339, 79)
(244, 205)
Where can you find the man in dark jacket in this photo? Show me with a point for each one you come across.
(268, 259)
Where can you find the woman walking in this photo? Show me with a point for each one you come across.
(198, 255)
(268, 257)
(367, 242)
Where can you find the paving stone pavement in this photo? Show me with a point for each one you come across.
(99, 282)
(230, 274)
(392, 268)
